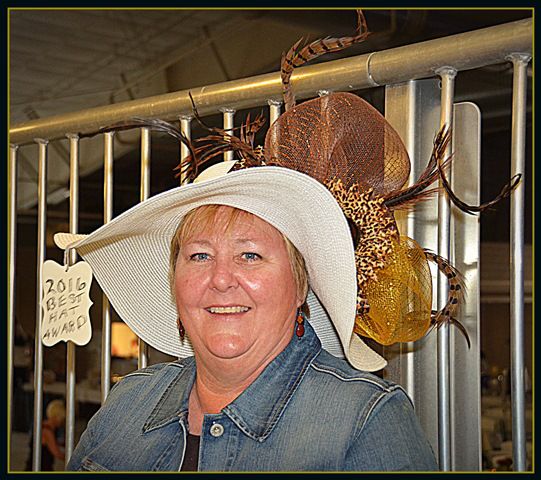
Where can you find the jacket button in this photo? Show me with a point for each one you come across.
(216, 430)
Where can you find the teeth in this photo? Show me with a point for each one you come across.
(228, 309)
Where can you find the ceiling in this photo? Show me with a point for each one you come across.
(67, 60)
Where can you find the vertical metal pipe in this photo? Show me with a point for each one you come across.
(411, 140)
(229, 115)
(38, 346)
(142, 360)
(518, 141)
(275, 109)
(185, 127)
(447, 75)
(106, 311)
(70, 347)
(12, 186)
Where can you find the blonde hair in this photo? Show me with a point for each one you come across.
(203, 217)
(56, 410)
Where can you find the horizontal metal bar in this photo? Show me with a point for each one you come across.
(462, 52)
(495, 287)
(504, 299)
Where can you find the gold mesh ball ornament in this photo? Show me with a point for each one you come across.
(401, 299)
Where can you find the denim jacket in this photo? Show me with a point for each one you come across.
(307, 411)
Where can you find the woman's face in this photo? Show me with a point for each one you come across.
(235, 290)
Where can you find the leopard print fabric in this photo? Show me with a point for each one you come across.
(376, 230)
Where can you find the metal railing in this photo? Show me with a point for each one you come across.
(463, 52)
(444, 58)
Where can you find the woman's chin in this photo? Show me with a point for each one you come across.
(227, 345)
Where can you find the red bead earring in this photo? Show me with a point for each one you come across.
(299, 330)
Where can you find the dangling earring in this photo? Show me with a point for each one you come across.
(181, 330)
(299, 329)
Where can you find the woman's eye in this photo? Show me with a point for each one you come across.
(199, 257)
(251, 256)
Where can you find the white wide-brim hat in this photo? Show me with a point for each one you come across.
(130, 255)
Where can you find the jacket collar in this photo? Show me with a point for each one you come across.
(178, 378)
(257, 410)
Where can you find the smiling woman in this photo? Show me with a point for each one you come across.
(260, 288)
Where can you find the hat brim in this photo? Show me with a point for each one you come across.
(130, 255)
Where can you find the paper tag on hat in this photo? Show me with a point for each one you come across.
(66, 303)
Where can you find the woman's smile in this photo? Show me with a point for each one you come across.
(228, 309)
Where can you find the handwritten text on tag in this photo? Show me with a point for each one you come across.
(66, 303)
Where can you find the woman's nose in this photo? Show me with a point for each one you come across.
(223, 275)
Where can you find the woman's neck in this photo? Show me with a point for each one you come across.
(216, 385)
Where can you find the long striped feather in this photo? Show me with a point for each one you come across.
(294, 58)
(454, 298)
